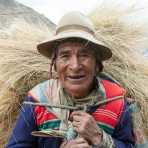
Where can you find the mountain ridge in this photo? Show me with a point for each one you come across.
(18, 19)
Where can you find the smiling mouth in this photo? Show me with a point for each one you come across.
(77, 77)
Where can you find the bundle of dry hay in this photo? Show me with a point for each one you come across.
(22, 67)
(118, 28)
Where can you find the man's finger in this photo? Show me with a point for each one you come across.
(77, 118)
(80, 140)
(78, 113)
(76, 124)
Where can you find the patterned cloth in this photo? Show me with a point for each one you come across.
(52, 92)
(113, 118)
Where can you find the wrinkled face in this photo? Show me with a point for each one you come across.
(76, 68)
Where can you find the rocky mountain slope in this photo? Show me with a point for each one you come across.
(21, 22)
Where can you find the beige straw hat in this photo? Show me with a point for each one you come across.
(74, 25)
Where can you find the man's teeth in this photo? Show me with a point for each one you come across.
(76, 77)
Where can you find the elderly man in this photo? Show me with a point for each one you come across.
(100, 116)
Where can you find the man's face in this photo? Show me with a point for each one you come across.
(75, 65)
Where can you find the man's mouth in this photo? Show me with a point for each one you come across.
(76, 77)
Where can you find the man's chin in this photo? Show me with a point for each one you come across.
(75, 90)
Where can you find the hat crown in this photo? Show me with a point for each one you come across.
(75, 25)
(75, 18)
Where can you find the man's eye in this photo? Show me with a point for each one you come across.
(63, 56)
(84, 55)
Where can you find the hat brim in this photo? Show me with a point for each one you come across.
(47, 48)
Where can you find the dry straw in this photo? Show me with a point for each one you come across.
(117, 26)
(21, 67)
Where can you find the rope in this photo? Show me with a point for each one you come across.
(79, 107)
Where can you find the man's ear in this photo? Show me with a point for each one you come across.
(99, 67)
(55, 65)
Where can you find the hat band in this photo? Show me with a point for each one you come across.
(74, 27)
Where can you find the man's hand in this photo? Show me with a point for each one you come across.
(76, 143)
(85, 125)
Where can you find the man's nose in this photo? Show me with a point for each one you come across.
(74, 63)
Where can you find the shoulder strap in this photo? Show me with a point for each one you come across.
(106, 76)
